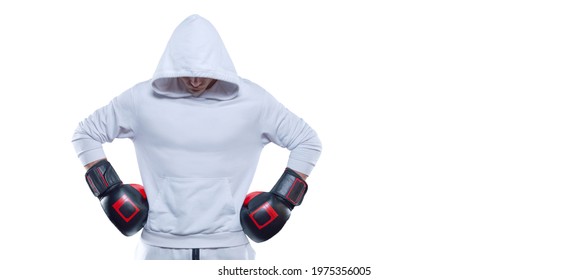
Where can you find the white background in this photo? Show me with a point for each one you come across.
(454, 133)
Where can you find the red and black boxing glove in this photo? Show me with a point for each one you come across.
(264, 214)
(125, 205)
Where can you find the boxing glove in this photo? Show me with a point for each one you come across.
(264, 214)
(125, 205)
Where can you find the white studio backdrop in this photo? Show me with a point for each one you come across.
(454, 132)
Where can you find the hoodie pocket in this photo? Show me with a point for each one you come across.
(186, 206)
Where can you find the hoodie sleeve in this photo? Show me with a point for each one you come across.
(287, 130)
(114, 120)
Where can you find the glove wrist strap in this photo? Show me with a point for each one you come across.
(100, 177)
(290, 187)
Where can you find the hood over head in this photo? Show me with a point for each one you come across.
(195, 49)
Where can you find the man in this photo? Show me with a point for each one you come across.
(198, 131)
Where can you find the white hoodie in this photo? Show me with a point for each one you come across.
(197, 155)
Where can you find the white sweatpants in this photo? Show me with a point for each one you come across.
(149, 252)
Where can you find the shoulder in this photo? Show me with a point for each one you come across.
(142, 87)
(139, 91)
(254, 91)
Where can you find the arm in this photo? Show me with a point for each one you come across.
(287, 130)
(104, 125)
(112, 121)
(89, 165)
(265, 213)
(302, 175)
